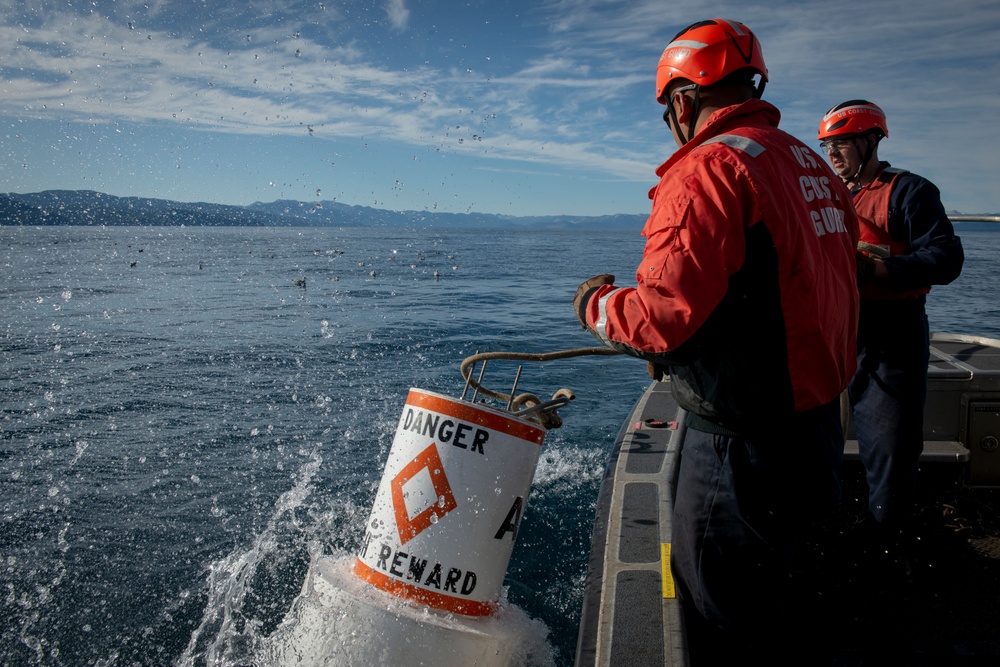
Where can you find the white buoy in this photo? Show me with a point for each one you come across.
(426, 587)
(444, 520)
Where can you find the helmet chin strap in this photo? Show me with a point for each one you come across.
(695, 108)
(870, 150)
(670, 116)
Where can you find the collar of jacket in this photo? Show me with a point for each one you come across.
(751, 112)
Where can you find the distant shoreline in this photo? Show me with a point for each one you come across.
(91, 208)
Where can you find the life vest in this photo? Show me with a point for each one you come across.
(872, 204)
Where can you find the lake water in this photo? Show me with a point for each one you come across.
(182, 424)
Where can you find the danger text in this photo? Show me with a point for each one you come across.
(459, 434)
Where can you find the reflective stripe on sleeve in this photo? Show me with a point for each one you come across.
(601, 327)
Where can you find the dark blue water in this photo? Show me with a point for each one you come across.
(182, 424)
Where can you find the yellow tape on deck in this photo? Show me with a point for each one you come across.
(666, 576)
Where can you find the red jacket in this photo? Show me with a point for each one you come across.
(747, 284)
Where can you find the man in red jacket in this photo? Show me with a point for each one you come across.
(746, 295)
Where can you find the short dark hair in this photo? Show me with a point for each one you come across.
(741, 77)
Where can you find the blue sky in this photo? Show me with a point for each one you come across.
(535, 107)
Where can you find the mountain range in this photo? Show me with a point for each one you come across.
(86, 207)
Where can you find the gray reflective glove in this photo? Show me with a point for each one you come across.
(585, 291)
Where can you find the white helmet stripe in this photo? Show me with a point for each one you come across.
(689, 43)
(735, 26)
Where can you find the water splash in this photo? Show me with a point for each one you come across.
(339, 620)
(225, 636)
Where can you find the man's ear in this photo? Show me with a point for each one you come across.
(683, 106)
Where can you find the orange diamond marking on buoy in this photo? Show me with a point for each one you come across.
(444, 499)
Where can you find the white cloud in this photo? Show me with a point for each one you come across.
(399, 15)
(277, 84)
(571, 86)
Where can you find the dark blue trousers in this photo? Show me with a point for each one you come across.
(887, 397)
(743, 507)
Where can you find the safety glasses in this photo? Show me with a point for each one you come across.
(835, 145)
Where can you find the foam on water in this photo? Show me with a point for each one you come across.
(339, 620)
(560, 468)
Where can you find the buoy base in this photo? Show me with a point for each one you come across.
(339, 620)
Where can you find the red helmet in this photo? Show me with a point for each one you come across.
(707, 52)
(853, 117)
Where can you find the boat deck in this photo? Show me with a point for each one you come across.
(936, 606)
(630, 616)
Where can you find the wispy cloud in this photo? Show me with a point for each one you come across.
(564, 83)
(285, 83)
(398, 14)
